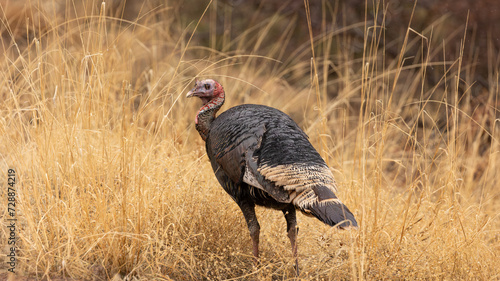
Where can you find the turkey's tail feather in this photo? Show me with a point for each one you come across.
(321, 202)
(332, 213)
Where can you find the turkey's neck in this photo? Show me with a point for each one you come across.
(206, 115)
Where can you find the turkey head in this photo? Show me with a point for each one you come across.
(206, 90)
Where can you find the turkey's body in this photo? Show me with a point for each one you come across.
(260, 156)
(255, 128)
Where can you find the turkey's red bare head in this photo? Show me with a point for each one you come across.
(206, 90)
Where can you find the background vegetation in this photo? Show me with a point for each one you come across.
(114, 181)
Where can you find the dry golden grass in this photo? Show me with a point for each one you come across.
(114, 180)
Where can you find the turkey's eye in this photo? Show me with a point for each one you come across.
(207, 86)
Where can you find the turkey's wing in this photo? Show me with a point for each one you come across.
(240, 165)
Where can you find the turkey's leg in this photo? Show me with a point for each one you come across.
(248, 209)
(292, 229)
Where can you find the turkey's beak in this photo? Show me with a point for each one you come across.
(191, 93)
(195, 92)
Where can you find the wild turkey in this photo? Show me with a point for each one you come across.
(260, 156)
